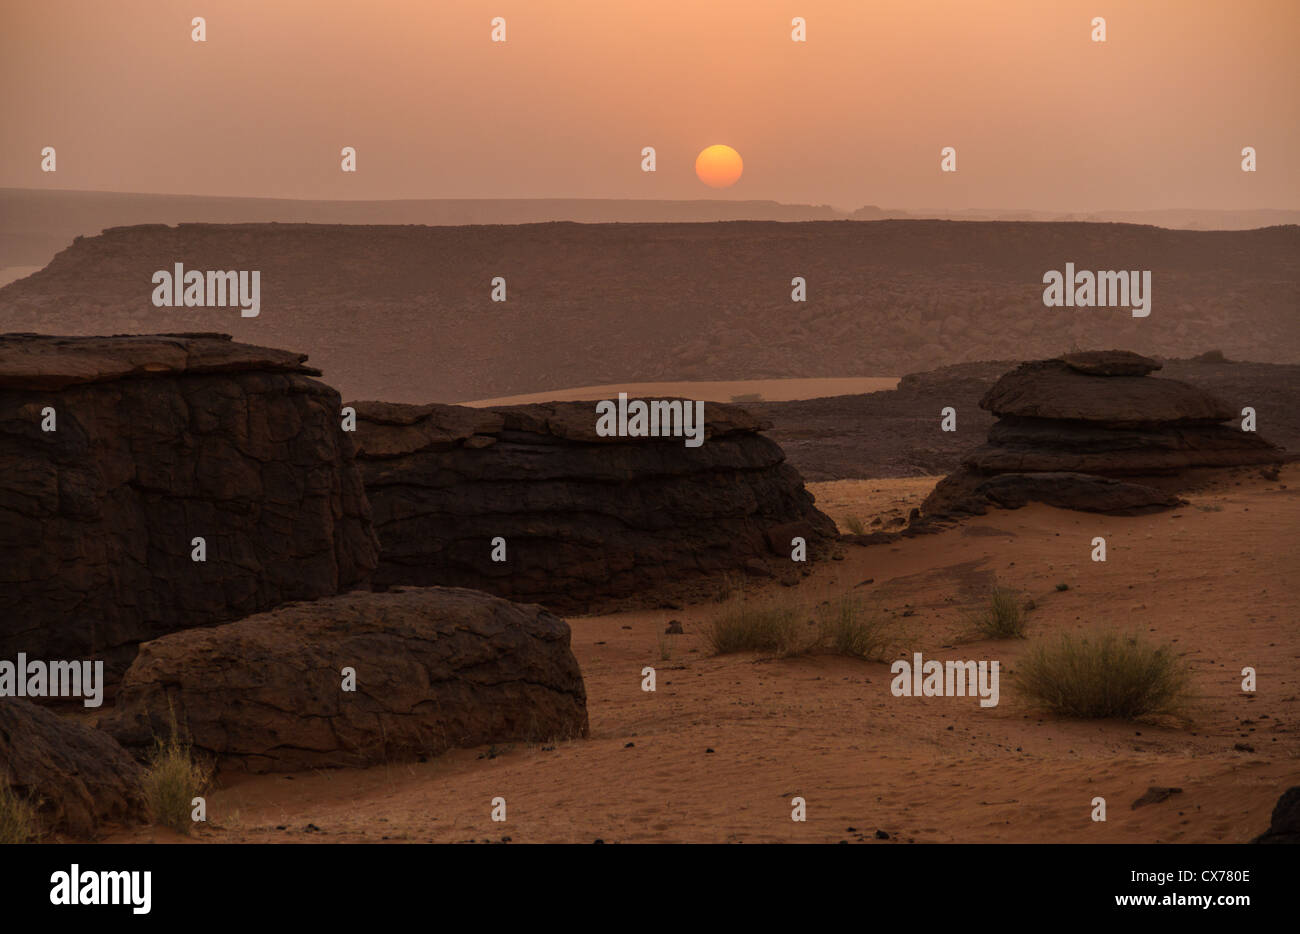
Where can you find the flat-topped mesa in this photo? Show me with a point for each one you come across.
(1071, 427)
(582, 520)
(155, 483)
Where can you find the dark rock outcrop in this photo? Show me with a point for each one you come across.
(434, 668)
(76, 775)
(159, 440)
(587, 521)
(1285, 825)
(1092, 431)
(1054, 389)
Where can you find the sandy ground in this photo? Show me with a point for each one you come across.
(768, 390)
(717, 753)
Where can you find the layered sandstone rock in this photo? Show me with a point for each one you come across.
(160, 440)
(1082, 431)
(586, 520)
(77, 776)
(434, 668)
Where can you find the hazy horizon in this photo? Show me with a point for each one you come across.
(842, 209)
(1042, 117)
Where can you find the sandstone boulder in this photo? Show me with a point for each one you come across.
(586, 520)
(78, 776)
(159, 440)
(1110, 363)
(1038, 444)
(1285, 825)
(1069, 427)
(1054, 389)
(435, 668)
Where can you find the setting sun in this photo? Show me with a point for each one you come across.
(719, 166)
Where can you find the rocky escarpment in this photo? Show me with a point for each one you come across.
(434, 669)
(584, 520)
(1085, 430)
(76, 776)
(117, 453)
(404, 312)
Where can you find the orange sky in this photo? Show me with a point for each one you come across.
(1041, 117)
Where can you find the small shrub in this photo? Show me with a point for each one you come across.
(665, 647)
(746, 625)
(854, 525)
(17, 815)
(1105, 674)
(847, 629)
(1062, 586)
(172, 780)
(1003, 618)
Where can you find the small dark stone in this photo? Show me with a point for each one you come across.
(1155, 794)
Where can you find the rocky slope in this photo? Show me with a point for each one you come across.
(585, 520)
(157, 441)
(403, 313)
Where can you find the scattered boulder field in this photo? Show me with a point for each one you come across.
(290, 593)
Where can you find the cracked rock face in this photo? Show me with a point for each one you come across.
(587, 520)
(1082, 431)
(435, 668)
(159, 440)
(78, 776)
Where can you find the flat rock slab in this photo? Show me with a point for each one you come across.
(1080, 491)
(966, 492)
(1029, 444)
(435, 668)
(79, 776)
(1054, 389)
(40, 361)
(1110, 363)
